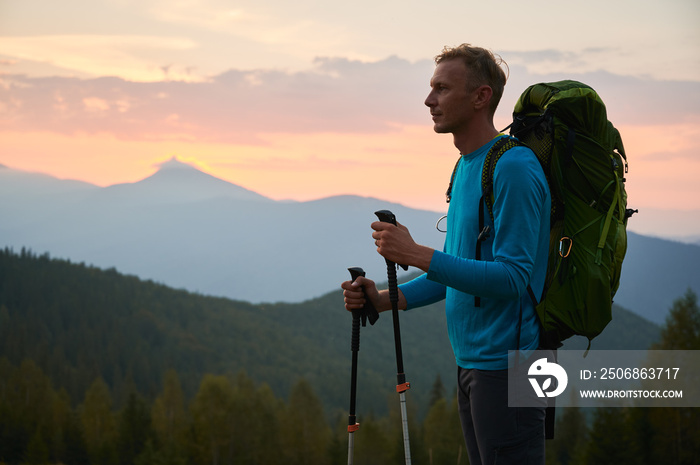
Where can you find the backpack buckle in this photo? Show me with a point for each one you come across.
(484, 234)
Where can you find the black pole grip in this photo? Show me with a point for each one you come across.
(356, 272)
(368, 311)
(385, 216)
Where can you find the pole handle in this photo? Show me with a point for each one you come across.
(368, 312)
(385, 216)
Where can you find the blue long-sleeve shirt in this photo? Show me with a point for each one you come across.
(513, 256)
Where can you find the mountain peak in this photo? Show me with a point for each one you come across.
(178, 181)
(175, 164)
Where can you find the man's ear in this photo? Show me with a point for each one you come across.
(482, 97)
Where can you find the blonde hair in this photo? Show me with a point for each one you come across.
(484, 68)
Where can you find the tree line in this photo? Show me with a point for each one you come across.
(231, 420)
(101, 368)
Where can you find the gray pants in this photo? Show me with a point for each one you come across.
(496, 434)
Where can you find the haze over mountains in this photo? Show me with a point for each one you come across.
(188, 229)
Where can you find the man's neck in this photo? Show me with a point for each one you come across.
(468, 143)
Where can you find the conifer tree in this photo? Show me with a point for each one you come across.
(305, 435)
(372, 441)
(134, 429)
(437, 392)
(98, 424)
(75, 449)
(570, 438)
(442, 433)
(257, 422)
(61, 414)
(168, 415)
(37, 450)
(610, 442)
(212, 420)
(675, 430)
(681, 330)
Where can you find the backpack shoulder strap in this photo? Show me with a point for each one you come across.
(501, 146)
(494, 154)
(498, 149)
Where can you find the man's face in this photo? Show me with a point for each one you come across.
(450, 101)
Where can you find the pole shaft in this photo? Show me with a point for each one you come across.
(402, 385)
(394, 299)
(355, 348)
(404, 422)
(351, 448)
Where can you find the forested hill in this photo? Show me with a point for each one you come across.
(78, 323)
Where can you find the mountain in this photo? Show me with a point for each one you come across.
(654, 271)
(19, 186)
(176, 182)
(187, 229)
(79, 322)
(191, 230)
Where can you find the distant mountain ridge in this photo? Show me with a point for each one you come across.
(675, 225)
(16, 184)
(188, 229)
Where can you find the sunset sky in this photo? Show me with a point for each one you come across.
(307, 99)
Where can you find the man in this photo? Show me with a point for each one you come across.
(466, 87)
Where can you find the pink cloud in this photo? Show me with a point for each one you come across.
(337, 96)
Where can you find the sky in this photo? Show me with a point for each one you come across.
(307, 99)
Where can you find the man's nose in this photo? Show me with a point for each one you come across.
(430, 100)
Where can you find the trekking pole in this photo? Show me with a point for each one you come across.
(368, 311)
(401, 385)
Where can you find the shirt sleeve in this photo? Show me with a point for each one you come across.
(422, 291)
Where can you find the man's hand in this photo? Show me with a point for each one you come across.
(356, 293)
(396, 244)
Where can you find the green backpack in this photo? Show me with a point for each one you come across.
(565, 123)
